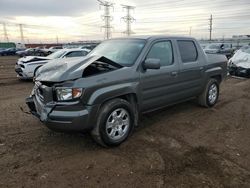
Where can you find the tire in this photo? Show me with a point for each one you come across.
(210, 95)
(111, 136)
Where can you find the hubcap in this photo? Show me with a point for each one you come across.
(117, 124)
(212, 93)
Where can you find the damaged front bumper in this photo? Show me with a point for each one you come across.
(239, 71)
(70, 116)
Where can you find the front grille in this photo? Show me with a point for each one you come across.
(40, 94)
(39, 91)
(43, 92)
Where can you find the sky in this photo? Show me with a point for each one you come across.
(46, 21)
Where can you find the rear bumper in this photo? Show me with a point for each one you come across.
(63, 117)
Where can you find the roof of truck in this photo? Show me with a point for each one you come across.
(148, 37)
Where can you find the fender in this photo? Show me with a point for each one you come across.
(107, 93)
(215, 71)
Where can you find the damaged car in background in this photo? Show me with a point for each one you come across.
(220, 48)
(239, 64)
(106, 92)
(26, 67)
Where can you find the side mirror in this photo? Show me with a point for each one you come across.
(151, 63)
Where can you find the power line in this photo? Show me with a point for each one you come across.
(107, 17)
(128, 19)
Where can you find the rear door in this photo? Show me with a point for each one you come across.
(158, 87)
(191, 68)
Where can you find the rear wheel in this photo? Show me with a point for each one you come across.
(114, 124)
(210, 95)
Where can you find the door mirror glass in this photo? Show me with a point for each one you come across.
(152, 63)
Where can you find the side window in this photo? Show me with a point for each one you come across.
(76, 54)
(187, 50)
(162, 51)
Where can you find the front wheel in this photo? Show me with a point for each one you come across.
(114, 124)
(210, 95)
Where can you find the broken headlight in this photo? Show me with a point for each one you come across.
(67, 94)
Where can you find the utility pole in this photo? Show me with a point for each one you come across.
(128, 19)
(57, 41)
(5, 33)
(21, 32)
(210, 27)
(190, 31)
(107, 17)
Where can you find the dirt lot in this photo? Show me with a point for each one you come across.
(182, 146)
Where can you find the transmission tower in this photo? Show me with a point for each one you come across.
(107, 17)
(128, 19)
(210, 27)
(5, 33)
(21, 32)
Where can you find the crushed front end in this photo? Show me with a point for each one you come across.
(239, 71)
(57, 115)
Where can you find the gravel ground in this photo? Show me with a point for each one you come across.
(181, 146)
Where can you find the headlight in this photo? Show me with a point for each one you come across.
(66, 94)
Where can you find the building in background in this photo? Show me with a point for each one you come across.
(12, 45)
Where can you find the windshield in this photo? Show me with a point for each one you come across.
(123, 51)
(56, 54)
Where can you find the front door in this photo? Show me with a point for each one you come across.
(159, 87)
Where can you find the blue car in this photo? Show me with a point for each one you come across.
(8, 51)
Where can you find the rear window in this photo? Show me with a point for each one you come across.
(187, 50)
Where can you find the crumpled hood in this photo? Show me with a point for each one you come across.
(241, 59)
(28, 59)
(60, 70)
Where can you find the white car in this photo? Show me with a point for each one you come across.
(26, 67)
(239, 64)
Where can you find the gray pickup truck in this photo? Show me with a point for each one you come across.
(106, 92)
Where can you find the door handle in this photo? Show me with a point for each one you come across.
(174, 73)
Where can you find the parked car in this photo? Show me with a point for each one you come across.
(220, 48)
(26, 67)
(106, 92)
(39, 51)
(52, 49)
(89, 46)
(26, 52)
(239, 64)
(8, 51)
